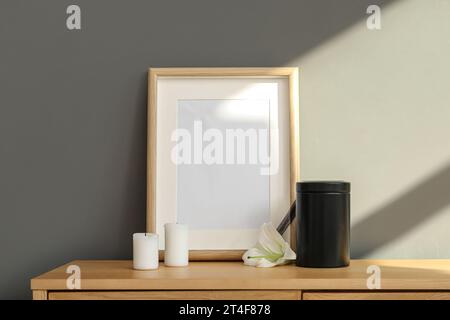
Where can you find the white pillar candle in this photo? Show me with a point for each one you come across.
(176, 247)
(145, 251)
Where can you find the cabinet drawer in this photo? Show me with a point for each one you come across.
(177, 295)
(374, 295)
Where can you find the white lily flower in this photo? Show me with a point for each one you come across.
(270, 250)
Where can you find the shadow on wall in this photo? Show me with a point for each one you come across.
(401, 215)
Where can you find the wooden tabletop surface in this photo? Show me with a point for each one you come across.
(119, 275)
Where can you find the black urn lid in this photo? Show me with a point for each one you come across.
(324, 186)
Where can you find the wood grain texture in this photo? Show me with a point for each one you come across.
(294, 122)
(39, 294)
(373, 295)
(178, 295)
(256, 72)
(412, 275)
(291, 73)
(151, 152)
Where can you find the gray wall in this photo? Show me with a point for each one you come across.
(73, 116)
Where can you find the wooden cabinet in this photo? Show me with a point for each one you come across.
(179, 295)
(400, 279)
(371, 295)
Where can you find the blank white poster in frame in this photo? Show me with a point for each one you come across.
(221, 99)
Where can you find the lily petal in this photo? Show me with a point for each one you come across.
(270, 250)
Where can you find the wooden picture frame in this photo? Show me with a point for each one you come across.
(155, 74)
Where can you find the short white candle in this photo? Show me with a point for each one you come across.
(176, 247)
(145, 251)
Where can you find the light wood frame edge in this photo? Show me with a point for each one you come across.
(40, 294)
(293, 77)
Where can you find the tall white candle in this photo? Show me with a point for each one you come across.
(145, 251)
(176, 247)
